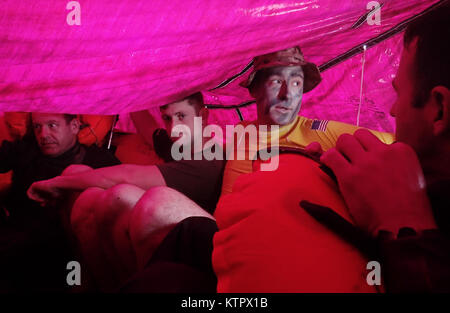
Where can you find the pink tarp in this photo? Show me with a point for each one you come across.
(129, 55)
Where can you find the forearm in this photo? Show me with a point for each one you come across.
(141, 176)
(416, 263)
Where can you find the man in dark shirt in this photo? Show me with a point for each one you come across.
(28, 229)
(399, 194)
(45, 154)
(124, 212)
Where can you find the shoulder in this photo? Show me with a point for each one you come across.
(19, 146)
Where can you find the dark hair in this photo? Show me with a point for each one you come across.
(196, 100)
(69, 117)
(432, 58)
(259, 77)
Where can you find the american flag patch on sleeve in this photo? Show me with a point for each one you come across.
(319, 125)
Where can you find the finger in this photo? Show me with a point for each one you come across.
(314, 148)
(336, 161)
(37, 194)
(368, 140)
(350, 147)
(31, 194)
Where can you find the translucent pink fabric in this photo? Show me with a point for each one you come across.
(131, 55)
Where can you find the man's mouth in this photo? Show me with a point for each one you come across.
(282, 108)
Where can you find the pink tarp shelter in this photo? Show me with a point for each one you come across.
(129, 55)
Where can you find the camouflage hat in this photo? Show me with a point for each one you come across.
(288, 57)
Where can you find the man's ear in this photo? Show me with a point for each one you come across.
(75, 125)
(440, 108)
(252, 91)
(204, 114)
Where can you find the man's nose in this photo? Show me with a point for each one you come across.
(174, 124)
(283, 91)
(392, 111)
(43, 132)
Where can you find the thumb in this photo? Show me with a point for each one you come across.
(32, 194)
(314, 148)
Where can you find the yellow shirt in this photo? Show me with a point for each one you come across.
(300, 133)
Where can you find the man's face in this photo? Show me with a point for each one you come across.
(279, 95)
(179, 113)
(411, 125)
(53, 134)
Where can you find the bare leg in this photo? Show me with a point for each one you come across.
(85, 230)
(156, 213)
(100, 222)
(67, 203)
(112, 214)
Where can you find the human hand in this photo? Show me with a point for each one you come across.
(382, 185)
(44, 192)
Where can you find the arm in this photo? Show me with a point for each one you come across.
(145, 124)
(383, 185)
(410, 261)
(141, 176)
(416, 262)
(385, 192)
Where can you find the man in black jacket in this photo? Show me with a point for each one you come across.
(400, 193)
(33, 244)
(124, 212)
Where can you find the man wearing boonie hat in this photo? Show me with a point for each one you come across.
(278, 82)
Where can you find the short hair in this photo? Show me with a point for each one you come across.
(196, 100)
(431, 62)
(69, 117)
(260, 76)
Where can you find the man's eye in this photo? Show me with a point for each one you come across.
(166, 118)
(52, 125)
(296, 83)
(36, 126)
(276, 81)
(181, 117)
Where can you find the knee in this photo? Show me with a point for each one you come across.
(115, 202)
(157, 196)
(164, 206)
(121, 195)
(82, 209)
(151, 203)
(152, 200)
(75, 168)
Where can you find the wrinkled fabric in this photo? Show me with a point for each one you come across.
(132, 55)
(270, 244)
